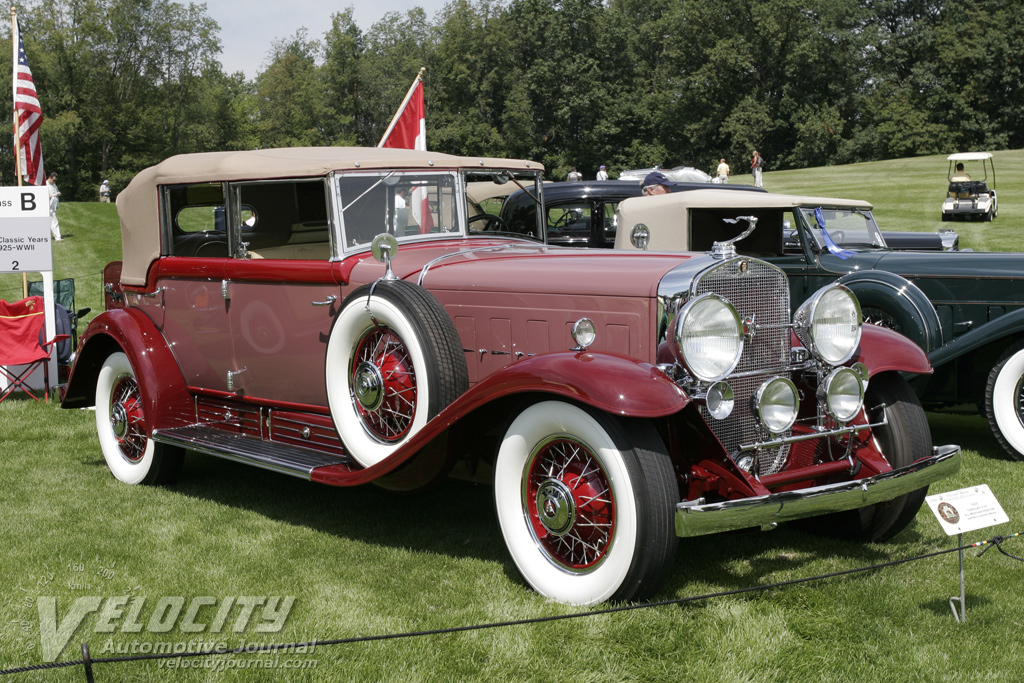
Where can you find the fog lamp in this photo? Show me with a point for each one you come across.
(777, 402)
(720, 400)
(844, 394)
(583, 333)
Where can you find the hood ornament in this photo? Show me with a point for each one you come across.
(727, 249)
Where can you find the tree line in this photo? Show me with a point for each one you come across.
(628, 83)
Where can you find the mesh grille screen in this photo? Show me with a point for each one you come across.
(759, 292)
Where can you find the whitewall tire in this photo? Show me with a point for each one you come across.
(123, 429)
(585, 502)
(394, 361)
(1004, 401)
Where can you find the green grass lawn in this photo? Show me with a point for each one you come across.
(364, 562)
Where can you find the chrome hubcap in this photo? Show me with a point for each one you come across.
(119, 420)
(368, 385)
(556, 508)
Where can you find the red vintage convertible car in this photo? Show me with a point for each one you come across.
(340, 315)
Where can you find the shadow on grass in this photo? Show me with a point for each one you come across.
(456, 519)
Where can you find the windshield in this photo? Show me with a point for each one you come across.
(426, 204)
(486, 193)
(845, 226)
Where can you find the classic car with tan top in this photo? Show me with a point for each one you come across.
(336, 314)
(964, 308)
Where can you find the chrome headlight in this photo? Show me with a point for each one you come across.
(777, 403)
(844, 394)
(709, 337)
(829, 324)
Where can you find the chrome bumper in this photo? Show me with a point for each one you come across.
(769, 510)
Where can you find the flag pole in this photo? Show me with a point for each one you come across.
(14, 110)
(14, 90)
(401, 108)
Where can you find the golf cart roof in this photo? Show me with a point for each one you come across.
(969, 156)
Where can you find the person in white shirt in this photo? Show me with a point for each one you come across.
(51, 186)
(602, 173)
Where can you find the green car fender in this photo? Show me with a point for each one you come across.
(893, 301)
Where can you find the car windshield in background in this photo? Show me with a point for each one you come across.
(847, 227)
(486, 194)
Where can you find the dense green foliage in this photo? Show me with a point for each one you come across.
(630, 83)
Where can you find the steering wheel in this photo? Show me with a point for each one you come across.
(493, 223)
(567, 217)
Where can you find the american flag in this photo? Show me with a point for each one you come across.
(29, 115)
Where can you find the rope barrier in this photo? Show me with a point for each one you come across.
(88, 662)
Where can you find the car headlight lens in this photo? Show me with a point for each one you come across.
(584, 333)
(829, 324)
(777, 402)
(844, 394)
(709, 337)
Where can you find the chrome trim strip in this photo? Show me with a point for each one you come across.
(769, 510)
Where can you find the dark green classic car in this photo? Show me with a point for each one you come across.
(965, 309)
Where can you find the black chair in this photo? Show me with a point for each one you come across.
(64, 296)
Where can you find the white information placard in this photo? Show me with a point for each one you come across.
(967, 509)
(25, 230)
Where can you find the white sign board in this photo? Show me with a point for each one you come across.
(25, 230)
(967, 509)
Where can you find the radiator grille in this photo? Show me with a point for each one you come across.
(760, 292)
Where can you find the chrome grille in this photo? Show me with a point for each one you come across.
(760, 292)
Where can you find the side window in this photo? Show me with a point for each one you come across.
(610, 223)
(569, 223)
(198, 220)
(282, 219)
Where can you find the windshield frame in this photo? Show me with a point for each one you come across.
(866, 237)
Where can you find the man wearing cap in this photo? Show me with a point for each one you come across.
(105, 192)
(602, 173)
(656, 182)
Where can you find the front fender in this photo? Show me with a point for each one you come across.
(882, 350)
(608, 382)
(1008, 326)
(911, 308)
(168, 401)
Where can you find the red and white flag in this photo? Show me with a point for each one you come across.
(27, 116)
(408, 130)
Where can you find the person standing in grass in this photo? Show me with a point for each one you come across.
(105, 192)
(51, 187)
(756, 166)
(722, 174)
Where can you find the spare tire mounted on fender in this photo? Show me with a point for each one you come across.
(394, 361)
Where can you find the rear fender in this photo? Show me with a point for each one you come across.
(903, 300)
(131, 331)
(883, 350)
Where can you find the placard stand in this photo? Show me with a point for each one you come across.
(960, 616)
(965, 510)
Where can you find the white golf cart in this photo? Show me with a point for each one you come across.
(971, 193)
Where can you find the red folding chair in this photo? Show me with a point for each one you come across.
(22, 325)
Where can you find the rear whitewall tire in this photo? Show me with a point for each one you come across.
(1004, 401)
(124, 431)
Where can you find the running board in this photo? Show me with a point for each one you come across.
(250, 450)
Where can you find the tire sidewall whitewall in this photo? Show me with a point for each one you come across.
(1004, 401)
(530, 428)
(351, 325)
(116, 367)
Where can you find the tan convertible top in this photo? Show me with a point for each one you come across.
(138, 204)
(670, 210)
